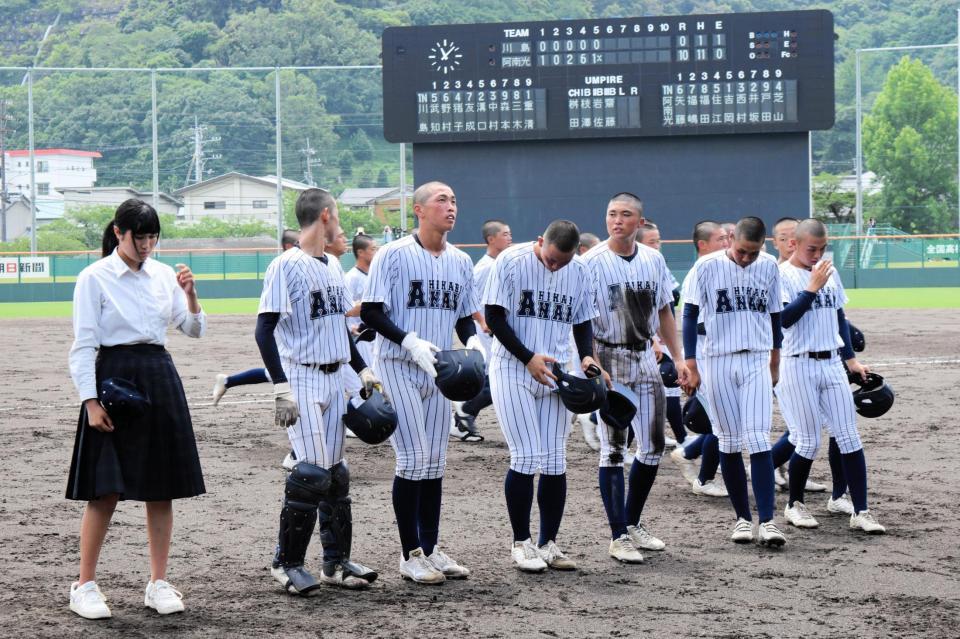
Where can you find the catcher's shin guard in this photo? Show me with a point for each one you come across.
(305, 487)
(336, 529)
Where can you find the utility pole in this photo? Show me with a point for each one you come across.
(4, 118)
(199, 158)
(309, 153)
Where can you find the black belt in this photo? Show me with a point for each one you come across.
(701, 329)
(641, 346)
(329, 369)
(817, 354)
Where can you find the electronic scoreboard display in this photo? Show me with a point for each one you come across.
(570, 79)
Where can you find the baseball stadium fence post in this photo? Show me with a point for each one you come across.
(33, 167)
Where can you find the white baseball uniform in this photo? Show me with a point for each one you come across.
(481, 272)
(310, 296)
(734, 356)
(355, 281)
(541, 306)
(427, 295)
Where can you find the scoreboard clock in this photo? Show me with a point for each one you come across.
(654, 76)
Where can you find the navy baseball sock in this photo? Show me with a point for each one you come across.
(481, 401)
(735, 477)
(641, 481)
(782, 451)
(675, 419)
(431, 491)
(406, 505)
(693, 449)
(855, 470)
(551, 498)
(711, 458)
(518, 490)
(761, 476)
(611, 491)
(252, 376)
(836, 470)
(799, 472)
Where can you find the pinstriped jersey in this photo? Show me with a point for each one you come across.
(420, 292)
(355, 281)
(646, 274)
(818, 329)
(481, 271)
(541, 305)
(735, 303)
(311, 298)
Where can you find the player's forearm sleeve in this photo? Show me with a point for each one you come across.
(690, 314)
(465, 328)
(777, 330)
(793, 311)
(847, 351)
(371, 314)
(496, 317)
(356, 359)
(266, 322)
(583, 336)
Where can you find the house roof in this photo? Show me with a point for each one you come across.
(143, 195)
(74, 152)
(365, 197)
(47, 208)
(270, 180)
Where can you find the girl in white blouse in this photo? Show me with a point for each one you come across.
(122, 307)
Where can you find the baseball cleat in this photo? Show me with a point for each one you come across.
(87, 601)
(770, 535)
(296, 580)
(554, 557)
(810, 487)
(349, 433)
(670, 442)
(865, 521)
(686, 465)
(526, 557)
(799, 516)
(643, 539)
(710, 489)
(163, 597)
(445, 564)
(289, 461)
(780, 480)
(343, 579)
(589, 431)
(219, 388)
(742, 532)
(623, 550)
(464, 425)
(418, 569)
(840, 506)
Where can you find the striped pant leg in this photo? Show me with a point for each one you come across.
(555, 426)
(756, 401)
(649, 423)
(317, 437)
(351, 381)
(836, 403)
(799, 395)
(409, 440)
(437, 416)
(721, 390)
(613, 442)
(516, 408)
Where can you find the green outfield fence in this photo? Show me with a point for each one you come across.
(874, 261)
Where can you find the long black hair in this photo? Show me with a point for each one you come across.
(132, 215)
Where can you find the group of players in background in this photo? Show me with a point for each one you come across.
(751, 330)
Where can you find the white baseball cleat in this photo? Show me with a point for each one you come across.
(742, 532)
(589, 432)
(555, 558)
(87, 601)
(865, 521)
(349, 433)
(799, 516)
(445, 564)
(770, 535)
(810, 487)
(289, 461)
(669, 442)
(526, 557)
(642, 539)
(623, 550)
(343, 579)
(219, 388)
(711, 488)
(418, 569)
(163, 597)
(780, 480)
(840, 506)
(686, 465)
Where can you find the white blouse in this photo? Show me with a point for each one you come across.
(113, 305)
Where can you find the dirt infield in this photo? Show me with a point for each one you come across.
(827, 582)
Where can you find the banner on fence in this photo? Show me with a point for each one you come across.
(24, 267)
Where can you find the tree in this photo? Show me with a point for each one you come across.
(910, 142)
(382, 178)
(361, 146)
(830, 203)
(345, 161)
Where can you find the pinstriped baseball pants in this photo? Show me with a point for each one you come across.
(739, 392)
(317, 437)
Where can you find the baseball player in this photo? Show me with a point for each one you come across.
(813, 381)
(634, 300)
(708, 237)
(534, 294)
(497, 237)
(589, 425)
(736, 293)
(364, 248)
(304, 340)
(420, 289)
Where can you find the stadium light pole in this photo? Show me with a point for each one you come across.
(33, 172)
(276, 80)
(154, 142)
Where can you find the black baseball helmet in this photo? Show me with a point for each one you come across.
(668, 371)
(374, 420)
(460, 374)
(621, 407)
(874, 397)
(695, 417)
(122, 399)
(581, 395)
(857, 340)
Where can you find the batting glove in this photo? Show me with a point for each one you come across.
(286, 412)
(369, 380)
(474, 342)
(422, 352)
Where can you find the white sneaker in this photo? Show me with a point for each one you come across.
(810, 487)
(445, 564)
(840, 506)
(219, 388)
(643, 539)
(686, 465)
(770, 535)
(555, 558)
(623, 550)
(526, 556)
(418, 569)
(87, 601)
(163, 597)
(742, 532)
(865, 521)
(289, 461)
(349, 433)
(710, 489)
(799, 516)
(780, 480)
(669, 442)
(589, 432)
(343, 579)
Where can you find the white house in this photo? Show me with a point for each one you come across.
(76, 198)
(19, 217)
(53, 169)
(235, 196)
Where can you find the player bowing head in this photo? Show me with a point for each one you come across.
(435, 206)
(748, 238)
(809, 243)
(558, 244)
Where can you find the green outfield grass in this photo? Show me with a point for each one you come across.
(859, 298)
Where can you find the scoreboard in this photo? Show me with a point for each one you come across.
(653, 76)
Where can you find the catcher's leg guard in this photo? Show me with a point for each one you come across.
(336, 534)
(306, 486)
